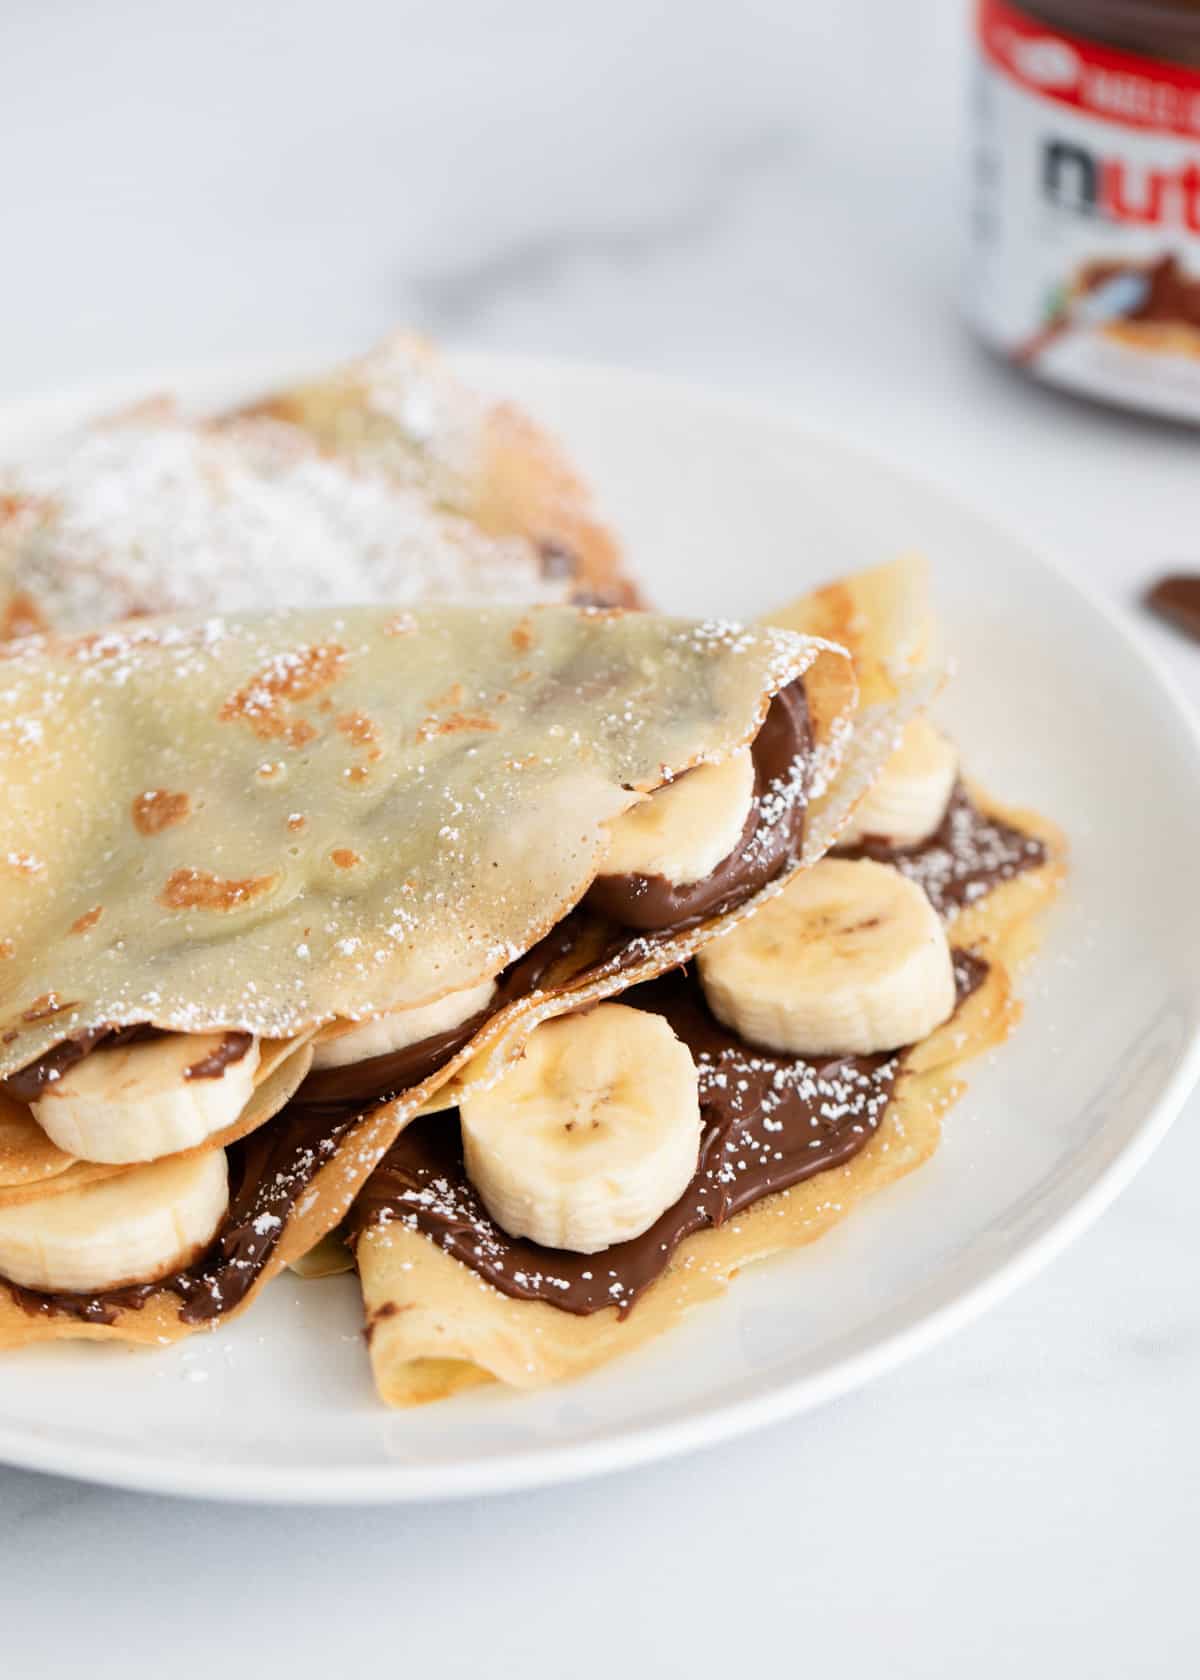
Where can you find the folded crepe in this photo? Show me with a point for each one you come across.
(152, 512)
(233, 847)
(789, 1142)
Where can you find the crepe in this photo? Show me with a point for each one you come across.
(436, 1327)
(271, 823)
(398, 408)
(152, 512)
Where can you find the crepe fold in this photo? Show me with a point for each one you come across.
(435, 1327)
(271, 823)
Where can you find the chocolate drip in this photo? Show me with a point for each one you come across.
(967, 855)
(234, 1047)
(769, 842)
(767, 1122)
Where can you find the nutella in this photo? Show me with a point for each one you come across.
(1085, 243)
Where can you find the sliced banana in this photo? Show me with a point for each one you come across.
(136, 1103)
(130, 1229)
(684, 830)
(849, 959)
(400, 1028)
(909, 797)
(591, 1135)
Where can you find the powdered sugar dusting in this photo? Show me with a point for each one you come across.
(148, 517)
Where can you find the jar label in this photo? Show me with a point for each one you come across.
(1085, 232)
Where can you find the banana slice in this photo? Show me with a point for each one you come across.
(130, 1229)
(383, 1034)
(137, 1103)
(909, 797)
(591, 1135)
(684, 830)
(849, 959)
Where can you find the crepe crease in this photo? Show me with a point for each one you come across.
(374, 810)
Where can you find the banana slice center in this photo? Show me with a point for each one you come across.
(592, 1135)
(849, 959)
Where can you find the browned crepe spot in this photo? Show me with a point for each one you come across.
(357, 727)
(262, 702)
(88, 920)
(344, 858)
(158, 809)
(198, 889)
(22, 616)
(457, 723)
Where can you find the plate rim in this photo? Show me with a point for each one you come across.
(699, 1425)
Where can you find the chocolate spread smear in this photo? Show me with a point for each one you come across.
(29, 1083)
(768, 1121)
(1177, 598)
(967, 855)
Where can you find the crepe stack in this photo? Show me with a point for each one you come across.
(812, 1094)
(270, 881)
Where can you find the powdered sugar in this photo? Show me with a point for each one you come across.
(158, 515)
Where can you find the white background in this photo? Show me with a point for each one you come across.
(766, 198)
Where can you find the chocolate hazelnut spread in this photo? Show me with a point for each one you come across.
(1086, 225)
(768, 1122)
(234, 1047)
(28, 1084)
(1177, 598)
(770, 840)
(966, 856)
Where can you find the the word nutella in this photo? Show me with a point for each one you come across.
(1085, 241)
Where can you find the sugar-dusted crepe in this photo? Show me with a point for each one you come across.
(282, 831)
(152, 512)
(790, 1141)
(398, 409)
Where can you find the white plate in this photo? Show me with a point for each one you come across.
(730, 509)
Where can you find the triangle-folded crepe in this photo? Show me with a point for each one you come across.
(271, 823)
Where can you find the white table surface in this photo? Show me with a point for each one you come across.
(769, 205)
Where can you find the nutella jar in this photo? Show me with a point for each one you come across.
(1085, 240)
